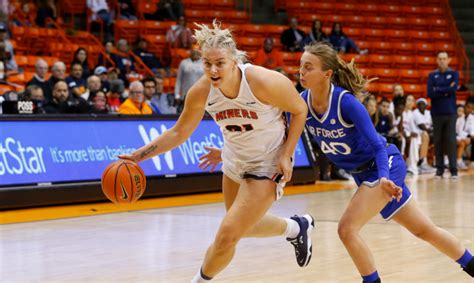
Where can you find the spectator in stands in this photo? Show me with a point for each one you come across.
(99, 103)
(179, 35)
(159, 102)
(148, 58)
(39, 78)
(292, 38)
(135, 104)
(9, 54)
(62, 102)
(34, 93)
(269, 57)
(25, 16)
(341, 42)
(77, 85)
(461, 137)
(101, 72)
(46, 10)
(398, 124)
(3, 64)
(168, 10)
(58, 73)
(100, 10)
(316, 34)
(469, 128)
(189, 71)
(106, 59)
(127, 11)
(122, 59)
(80, 56)
(413, 140)
(93, 87)
(115, 96)
(371, 105)
(423, 126)
(442, 85)
(398, 96)
(385, 125)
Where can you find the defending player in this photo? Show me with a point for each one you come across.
(341, 126)
(247, 102)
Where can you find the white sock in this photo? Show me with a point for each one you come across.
(198, 278)
(292, 228)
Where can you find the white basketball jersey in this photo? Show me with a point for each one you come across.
(253, 132)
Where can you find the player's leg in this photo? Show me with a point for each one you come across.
(296, 229)
(413, 219)
(252, 201)
(269, 225)
(364, 205)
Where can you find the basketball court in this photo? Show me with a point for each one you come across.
(140, 243)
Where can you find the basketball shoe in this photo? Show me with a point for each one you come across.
(302, 242)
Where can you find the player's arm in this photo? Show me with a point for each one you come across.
(275, 89)
(188, 121)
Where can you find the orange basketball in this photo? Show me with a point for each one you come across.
(123, 181)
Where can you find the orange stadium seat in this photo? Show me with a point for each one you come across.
(418, 23)
(274, 30)
(405, 61)
(439, 25)
(251, 30)
(386, 75)
(354, 33)
(419, 36)
(325, 8)
(364, 44)
(126, 29)
(360, 60)
(395, 35)
(155, 27)
(426, 62)
(22, 61)
(291, 58)
(354, 21)
(404, 48)
(426, 49)
(146, 7)
(250, 43)
(202, 5)
(397, 22)
(443, 46)
(424, 75)
(195, 16)
(417, 90)
(367, 72)
(291, 70)
(410, 76)
(440, 36)
(376, 22)
(345, 8)
(251, 55)
(390, 10)
(380, 61)
(236, 17)
(5, 88)
(381, 47)
(374, 34)
(223, 5)
(367, 9)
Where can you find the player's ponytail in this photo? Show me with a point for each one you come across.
(216, 37)
(345, 75)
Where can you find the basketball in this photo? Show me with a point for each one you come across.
(123, 181)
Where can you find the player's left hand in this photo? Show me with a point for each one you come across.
(285, 166)
(212, 158)
(391, 188)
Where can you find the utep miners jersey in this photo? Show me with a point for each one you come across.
(252, 131)
(338, 140)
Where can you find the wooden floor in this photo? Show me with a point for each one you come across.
(168, 244)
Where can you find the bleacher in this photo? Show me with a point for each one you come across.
(402, 39)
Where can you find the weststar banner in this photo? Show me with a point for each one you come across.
(64, 151)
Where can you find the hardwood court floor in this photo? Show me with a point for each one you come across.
(168, 244)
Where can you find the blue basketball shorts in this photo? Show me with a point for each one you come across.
(397, 175)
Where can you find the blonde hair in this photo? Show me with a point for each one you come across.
(345, 74)
(216, 37)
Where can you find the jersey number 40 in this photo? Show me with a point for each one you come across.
(335, 148)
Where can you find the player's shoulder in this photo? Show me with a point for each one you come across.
(200, 90)
(261, 77)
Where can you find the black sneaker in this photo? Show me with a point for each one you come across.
(439, 174)
(302, 242)
(470, 268)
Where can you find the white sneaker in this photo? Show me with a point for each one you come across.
(426, 169)
(461, 165)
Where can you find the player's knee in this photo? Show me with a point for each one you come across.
(346, 231)
(226, 238)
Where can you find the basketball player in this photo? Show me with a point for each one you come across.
(342, 127)
(248, 103)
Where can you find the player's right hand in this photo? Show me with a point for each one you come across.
(212, 158)
(391, 188)
(127, 157)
